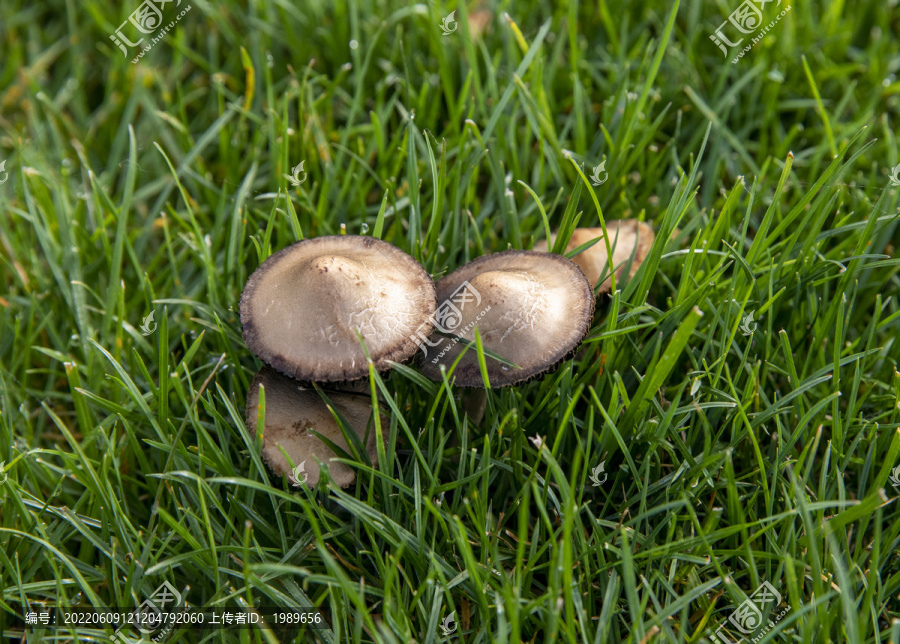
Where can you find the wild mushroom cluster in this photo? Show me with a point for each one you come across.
(319, 311)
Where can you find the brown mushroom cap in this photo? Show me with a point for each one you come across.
(292, 411)
(531, 308)
(633, 237)
(302, 307)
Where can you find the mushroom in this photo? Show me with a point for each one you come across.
(293, 413)
(634, 238)
(302, 308)
(532, 310)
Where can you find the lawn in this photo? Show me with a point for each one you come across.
(719, 462)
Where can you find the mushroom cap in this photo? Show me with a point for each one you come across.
(291, 411)
(532, 309)
(301, 308)
(633, 237)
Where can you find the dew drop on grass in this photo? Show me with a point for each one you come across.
(364, 228)
(354, 44)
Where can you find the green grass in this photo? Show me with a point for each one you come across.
(160, 187)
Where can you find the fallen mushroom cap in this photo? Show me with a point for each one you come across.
(302, 307)
(292, 411)
(633, 237)
(531, 308)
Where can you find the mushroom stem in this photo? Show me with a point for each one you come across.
(474, 402)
